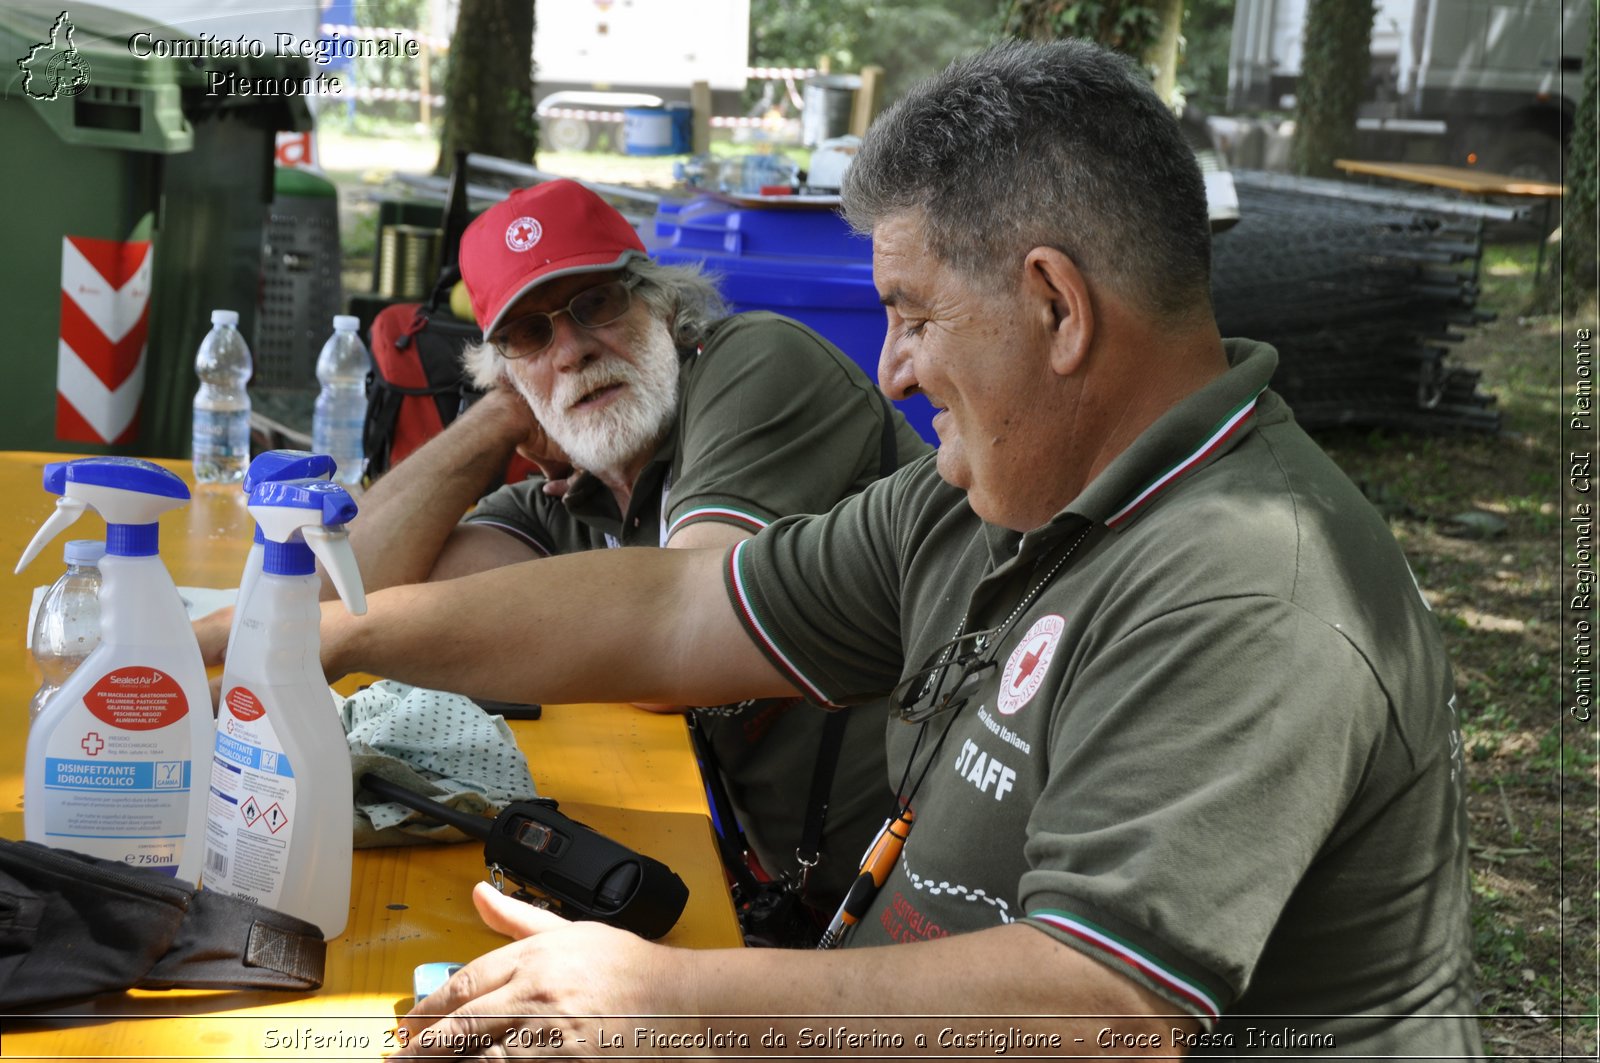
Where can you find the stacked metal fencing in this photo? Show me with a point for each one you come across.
(1363, 292)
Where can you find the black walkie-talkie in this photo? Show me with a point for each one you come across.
(588, 875)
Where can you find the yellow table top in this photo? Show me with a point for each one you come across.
(626, 773)
(1459, 178)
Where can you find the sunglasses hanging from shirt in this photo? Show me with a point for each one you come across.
(955, 672)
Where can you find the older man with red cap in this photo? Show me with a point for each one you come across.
(658, 420)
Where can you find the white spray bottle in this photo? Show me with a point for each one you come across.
(273, 465)
(118, 762)
(278, 823)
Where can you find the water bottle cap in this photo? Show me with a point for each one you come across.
(346, 323)
(84, 551)
(225, 317)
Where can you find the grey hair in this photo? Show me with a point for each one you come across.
(1058, 144)
(686, 297)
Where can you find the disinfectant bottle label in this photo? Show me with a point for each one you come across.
(113, 792)
(251, 808)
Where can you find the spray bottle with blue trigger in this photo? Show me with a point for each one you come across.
(117, 763)
(273, 465)
(278, 821)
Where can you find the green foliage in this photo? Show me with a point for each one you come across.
(911, 42)
(801, 32)
(908, 42)
(1203, 67)
(1127, 26)
(1333, 75)
(397, 72)
(1502, 948)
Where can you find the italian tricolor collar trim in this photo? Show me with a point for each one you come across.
(1228, 428)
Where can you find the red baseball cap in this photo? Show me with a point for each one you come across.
(538, 234)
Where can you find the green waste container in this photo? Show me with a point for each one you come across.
(301, 283)
(136, 203)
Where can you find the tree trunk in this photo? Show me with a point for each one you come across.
(488, 105)
(1161, 56)
(1333, 80)
(1579, 214)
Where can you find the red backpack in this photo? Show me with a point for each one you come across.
(418, 385)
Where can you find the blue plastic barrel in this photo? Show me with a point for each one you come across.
(802, 262)
(665, 130)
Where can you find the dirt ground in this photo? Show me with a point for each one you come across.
(1480, 519)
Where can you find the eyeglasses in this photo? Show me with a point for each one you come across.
(954, 674)
(590, 308)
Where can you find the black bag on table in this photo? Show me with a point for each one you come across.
(74, 926)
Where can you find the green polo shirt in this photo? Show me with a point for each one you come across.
(1217, 748)
(772, 420)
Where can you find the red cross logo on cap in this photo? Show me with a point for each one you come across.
(523, 233)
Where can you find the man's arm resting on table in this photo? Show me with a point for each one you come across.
(604, 625)
(706, 535)
(560, 974)
(406, 530)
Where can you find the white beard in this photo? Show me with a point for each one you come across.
(607, 440)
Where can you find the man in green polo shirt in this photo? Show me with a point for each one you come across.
(690, 428)
(1170, 717)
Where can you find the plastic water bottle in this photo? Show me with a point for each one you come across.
(758, 174)
(340, 416)
(222, 406)
(699, 171)
(66, 629)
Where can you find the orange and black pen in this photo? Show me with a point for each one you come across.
(875, 868)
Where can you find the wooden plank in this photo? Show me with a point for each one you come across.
(864, 108)
(700, 100)
(1459, 178)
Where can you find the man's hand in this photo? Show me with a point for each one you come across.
(410, 515)
(516, 1000)
(554, 989)
(538, 447)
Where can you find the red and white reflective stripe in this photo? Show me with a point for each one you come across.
(716, 121)
(794, 673)
(105, 319)
(719, 122)
(1093, 935)
(769, 73)
(582, 114)
(407, 95)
